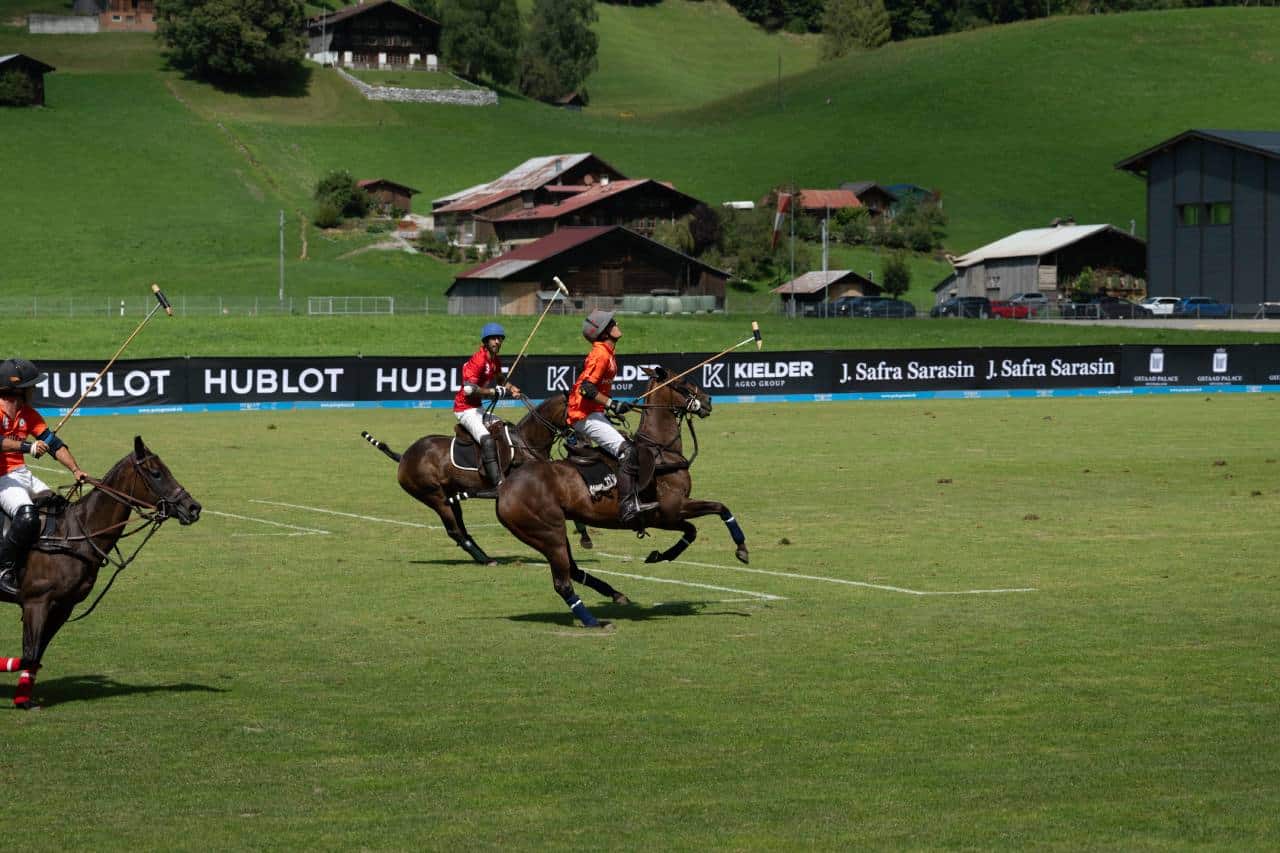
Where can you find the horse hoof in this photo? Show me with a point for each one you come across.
(586, 542)
(654, 557)
(492, 562)
(741, 554)
(26, 706)
(619, 598)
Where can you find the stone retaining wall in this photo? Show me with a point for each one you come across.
(462, 97)
(58, 25)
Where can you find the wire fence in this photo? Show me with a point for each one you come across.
(214, 306)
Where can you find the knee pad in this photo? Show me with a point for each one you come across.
(26, 524)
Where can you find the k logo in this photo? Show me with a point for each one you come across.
(558, 379)
(713, 376)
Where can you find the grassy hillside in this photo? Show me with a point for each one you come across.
(134, 174)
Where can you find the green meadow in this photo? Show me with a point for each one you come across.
(133, 174)
(1004, 624)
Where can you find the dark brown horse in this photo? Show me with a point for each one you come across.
(536, 500)
(427, 472)
(63, 565)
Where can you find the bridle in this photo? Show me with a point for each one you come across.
(558, 433)
(691, 406)
(152, 515)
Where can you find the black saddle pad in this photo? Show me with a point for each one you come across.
(599, 475)
(50, 506)
(466, 454)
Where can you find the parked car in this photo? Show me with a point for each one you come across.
(1034, 299)
(963, 306)
(1161, 306)
(1201, 306)
(851, 306)
(1106, 308)
(888, 308)
(1010, 310)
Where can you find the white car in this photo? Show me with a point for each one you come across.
(1160, 306)
(1031, 300)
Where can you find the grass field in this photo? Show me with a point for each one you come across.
(439, 334)
(283, 675)
(1016, 125)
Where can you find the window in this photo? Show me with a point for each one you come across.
(1220, 213)
(1188, 214)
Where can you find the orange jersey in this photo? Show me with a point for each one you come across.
(599, 370)
(23, 425)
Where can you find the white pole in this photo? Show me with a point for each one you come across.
(282, 258)
(826, 285)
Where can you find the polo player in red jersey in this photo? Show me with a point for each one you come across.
(23, 431)
(589, 401)
(482, 380)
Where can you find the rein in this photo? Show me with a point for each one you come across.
(557, 433)
(152, 516)
(681, 414)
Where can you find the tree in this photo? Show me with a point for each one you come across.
(674, 235)
(261, 42)
(16, 89)
(337, 191)
(482, 37)
(560, 52)
(895, 275)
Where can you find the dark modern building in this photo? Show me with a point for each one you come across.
(33, 69)
(1213, 215)
(377, 34)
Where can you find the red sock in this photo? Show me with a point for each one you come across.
(10, 664)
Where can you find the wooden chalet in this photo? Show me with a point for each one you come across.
(878, 200)
(638, 204)
(821, 203)
(377, 34)
(608, 267)
(120, 15)
(33, 69)
(388, 195)
(466, 216)
(816, 287)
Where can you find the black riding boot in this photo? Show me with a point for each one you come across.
(13, 548)
(489, 460)
(629, 505)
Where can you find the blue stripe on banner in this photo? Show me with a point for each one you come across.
(1017, 393)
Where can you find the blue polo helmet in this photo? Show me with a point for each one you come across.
(492, 330)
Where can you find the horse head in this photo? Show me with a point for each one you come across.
(152, 484)
(679, 396)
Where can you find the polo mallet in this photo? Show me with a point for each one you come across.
(755, 336)
(560, 288)
(161, 302)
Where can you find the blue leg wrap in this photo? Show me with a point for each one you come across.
(734, 530)
(580, 610)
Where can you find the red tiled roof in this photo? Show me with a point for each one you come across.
(547, 247)
(351, 11)
(586, 198)
(834, 199)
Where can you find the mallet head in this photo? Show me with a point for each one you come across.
(560, 285)
(160, 297)
(755, 333)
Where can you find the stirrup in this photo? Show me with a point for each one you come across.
(9, 583)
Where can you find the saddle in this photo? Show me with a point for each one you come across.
(599, 470)
(464, 453)
(50, 506)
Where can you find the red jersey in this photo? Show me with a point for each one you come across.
(26, 423)
(599, 370)
(481, 370)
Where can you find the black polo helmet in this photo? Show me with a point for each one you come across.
(18, 374)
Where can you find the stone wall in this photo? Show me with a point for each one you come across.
(462, 97)
(58, 25)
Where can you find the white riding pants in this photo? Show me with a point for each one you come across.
(17, 488)
(476, 422)
(596, 427)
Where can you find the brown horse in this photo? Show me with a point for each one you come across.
(63, 565)
(428, 474)
(536, 500)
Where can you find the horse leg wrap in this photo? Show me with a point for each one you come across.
(579, 576)
(10, 664)
(734, 530)
(474, 550)
(579, 609)
(26, 686)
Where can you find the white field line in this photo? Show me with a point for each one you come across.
(757, 596)
(822, 579)
(364, 517)
(302, 531)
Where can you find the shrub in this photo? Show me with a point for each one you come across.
(895, 275)
(327, 215)
(16, 89)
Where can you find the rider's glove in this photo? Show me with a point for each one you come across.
(499, 391)
(620, 407)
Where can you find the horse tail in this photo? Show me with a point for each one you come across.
(395, 457)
